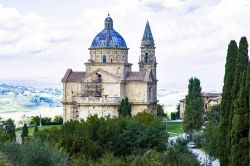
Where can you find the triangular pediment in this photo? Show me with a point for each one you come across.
(103, 75)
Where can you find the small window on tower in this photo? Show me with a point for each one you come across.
(146, 57)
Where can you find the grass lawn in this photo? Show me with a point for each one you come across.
(174, 128)
(31, 129)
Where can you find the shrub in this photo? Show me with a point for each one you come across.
(34, 153)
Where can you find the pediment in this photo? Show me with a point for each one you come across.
(102, 75)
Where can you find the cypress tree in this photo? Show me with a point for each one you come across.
(248, 96)
(124, 108)
(194, 107)
(10, 130)
(25, 132)
(36, 130)
(226, 102)
(240, 117)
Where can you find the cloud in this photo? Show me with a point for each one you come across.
(191, 36)
(30, 35)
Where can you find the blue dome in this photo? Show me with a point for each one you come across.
(108, 37)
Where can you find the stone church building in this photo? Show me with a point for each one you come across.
(108, 78)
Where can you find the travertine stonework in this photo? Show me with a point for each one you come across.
(108, 78)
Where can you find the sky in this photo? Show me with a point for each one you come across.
(41, 39)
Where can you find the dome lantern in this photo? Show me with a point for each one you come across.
(108, 23)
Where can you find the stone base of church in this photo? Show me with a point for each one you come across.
(78, 112)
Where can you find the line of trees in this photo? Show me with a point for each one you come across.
(234, 123)
(58, 120)
(121, 141)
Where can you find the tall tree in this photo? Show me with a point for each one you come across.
(160, 110)
(10, 130)
(210, 137)
(124, 108)
(25, 132)
(248, 96)
(193, 115)
(36, 130)
(226, 102)
(240, 120)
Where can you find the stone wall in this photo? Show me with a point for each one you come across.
(136, 91)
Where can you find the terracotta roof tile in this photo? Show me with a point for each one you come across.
(135, 76)
(71, 76)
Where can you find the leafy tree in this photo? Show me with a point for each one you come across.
(173, 115)
(35, 120)
(34, 153)
(58, 120)
(2, 130)
(97, 136)
(36, 130)
(240, 121)
(178, 154)
(160, 110)
(46, 121)
(10, 130)
(177, 116)
(110, 160)
(124, 108)
(226, 109)
(25, 132)
(211, 137)
(193, 115)
(2, 122)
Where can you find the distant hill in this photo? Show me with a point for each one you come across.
(17, 100)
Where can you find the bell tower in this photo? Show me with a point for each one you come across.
(148, 59)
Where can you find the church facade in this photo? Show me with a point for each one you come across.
(108, 78)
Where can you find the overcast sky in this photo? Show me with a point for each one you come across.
(42, 38)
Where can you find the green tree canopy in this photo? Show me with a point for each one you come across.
(194, 107)
(240, 119)
(160, 110)
(58, 120)
(124, 108)
(10, 130)
(226, 103)
(25, 132)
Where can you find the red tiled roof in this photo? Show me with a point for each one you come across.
(135, 76)
(71, 76)
(204, 94)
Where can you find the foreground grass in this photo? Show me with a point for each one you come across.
(3, 160)
(175, 128)
(31, 129)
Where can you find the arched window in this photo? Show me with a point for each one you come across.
(104, 59)
(146, 57)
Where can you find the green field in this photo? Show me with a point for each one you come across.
(174, 128)
(31, 129)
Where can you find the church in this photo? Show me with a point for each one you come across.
(108, 78)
